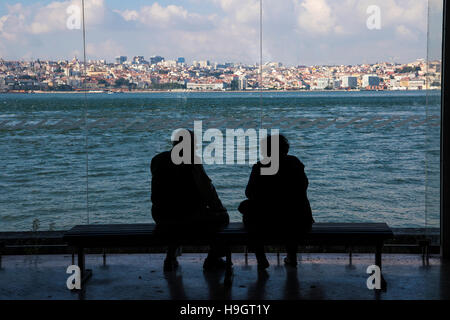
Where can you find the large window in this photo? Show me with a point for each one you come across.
(353, 85)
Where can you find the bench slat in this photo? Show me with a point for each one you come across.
(144, 234)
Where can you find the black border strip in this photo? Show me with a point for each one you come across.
(445, 138)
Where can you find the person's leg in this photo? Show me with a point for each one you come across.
(217, 250)
(171, 263)
(172, 252)
(291, 250)
(168, 229)
(260, 256)
(214, 222)
(255, 229)
(214, 259)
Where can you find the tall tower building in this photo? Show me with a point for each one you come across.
(121, 59)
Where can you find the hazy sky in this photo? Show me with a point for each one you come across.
(294, 31)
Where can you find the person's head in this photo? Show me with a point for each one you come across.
(283, 144)
(271, 154)
(184, 145)
(181, 134)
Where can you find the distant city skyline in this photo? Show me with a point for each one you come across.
(295, 32)
(159, 74)
(129, 60)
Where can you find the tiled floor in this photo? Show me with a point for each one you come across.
(140, 276)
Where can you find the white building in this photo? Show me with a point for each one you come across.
(168, 63)
(370, 81)
(349, 82)
(322, 83)
(274, 64)
(204, 64)
(394, 84)
(74, 82)
(416, 84)
(242, 83)
(121, 59)
(205, 86)
(336, 83)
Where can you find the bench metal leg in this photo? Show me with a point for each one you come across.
(228, 259)
(228, 281)
(425, 246)
(378, 252)
(104, 257)
(350, 255)
(85, 273)
(2, 246)
(246, 255)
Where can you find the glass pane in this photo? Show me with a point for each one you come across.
(348, 93)
(42, 153)
(433, 110)
(350, 79)
(165, 67)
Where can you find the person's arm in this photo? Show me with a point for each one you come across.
(207, 189)
(155, 191)
(302, 191)
(299, 175)
(214, 201)
(154, 185)
(251, 189)
(159, 180)
(304, 182)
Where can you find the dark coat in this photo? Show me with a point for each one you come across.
(184, 194)
(278, 202)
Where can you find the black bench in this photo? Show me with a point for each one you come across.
(144, 235)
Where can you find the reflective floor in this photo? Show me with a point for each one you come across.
(140, 276)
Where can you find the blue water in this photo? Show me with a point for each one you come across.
(375, 172)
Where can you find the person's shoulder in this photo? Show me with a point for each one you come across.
(294, 161)
(162, 157)
(257, 165)
(256, 168)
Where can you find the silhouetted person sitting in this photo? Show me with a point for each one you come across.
(185, 200)
(277, 203)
